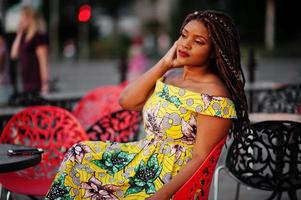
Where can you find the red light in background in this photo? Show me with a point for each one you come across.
(84, 13)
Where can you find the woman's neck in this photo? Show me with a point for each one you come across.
(30, 32)
(195, 73)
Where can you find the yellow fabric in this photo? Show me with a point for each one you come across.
(138, 169)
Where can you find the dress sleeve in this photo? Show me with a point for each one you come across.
(41, 39)
(212, 106)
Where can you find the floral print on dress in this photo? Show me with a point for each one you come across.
(77, 152)
(189, 130)
(59, 190)
(177, 150)
(165, 95)
(114, 161)
(215, 104)
(152, 121)
(208, 98)
(95, 190)
(145, 176)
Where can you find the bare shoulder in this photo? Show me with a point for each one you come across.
(214, 85)
(172, 75)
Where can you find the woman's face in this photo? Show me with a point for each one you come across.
(25, 20)
(194, 45)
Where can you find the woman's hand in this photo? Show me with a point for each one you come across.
(44, 88)
(21, 27)
(170, 58)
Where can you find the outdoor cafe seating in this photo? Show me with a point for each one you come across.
(51, 128)
(97, 114)
(267, 157)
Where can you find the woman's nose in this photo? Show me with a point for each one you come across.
(186, 44)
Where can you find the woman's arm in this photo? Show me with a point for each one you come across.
(136, 93)
(42, 54)
(14, 53)
(210, 130)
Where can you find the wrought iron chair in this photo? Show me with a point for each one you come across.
(286, 99)
(267, 157)
(50, 128)
(198, 186)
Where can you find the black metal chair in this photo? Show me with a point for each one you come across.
(267, 157)
(286, 99)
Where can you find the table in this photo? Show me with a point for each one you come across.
(14, 163)
(63, 95)
(258, 117)
(6, 113)
(63, 99)
(263, 85)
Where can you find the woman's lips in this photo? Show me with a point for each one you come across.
(183, 54)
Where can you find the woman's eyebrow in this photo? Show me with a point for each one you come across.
(201, 36)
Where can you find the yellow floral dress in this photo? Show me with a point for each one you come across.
(136, 170)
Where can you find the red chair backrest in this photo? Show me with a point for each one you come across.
(198, 186)
(97, 103)
(51, 128)
(120, 126)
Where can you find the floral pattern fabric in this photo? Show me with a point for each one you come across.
(136, 170)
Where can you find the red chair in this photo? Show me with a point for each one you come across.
(198, 186)
(120, 126)
(103, 118)
(51, 128)
(97, 103)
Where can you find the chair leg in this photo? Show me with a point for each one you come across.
(5, 194)
(216, 179)
(8, 195)
(237, 191)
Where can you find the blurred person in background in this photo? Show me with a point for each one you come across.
(5, 86)
(137, 60)
(30, 47)
(190, 100)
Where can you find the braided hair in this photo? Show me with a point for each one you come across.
(225, 40)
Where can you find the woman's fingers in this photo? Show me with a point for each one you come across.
(170, 56)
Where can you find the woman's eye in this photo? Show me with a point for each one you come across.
(199, 42)
(183, 35)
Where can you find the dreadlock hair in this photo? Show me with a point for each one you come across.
(225, 40)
